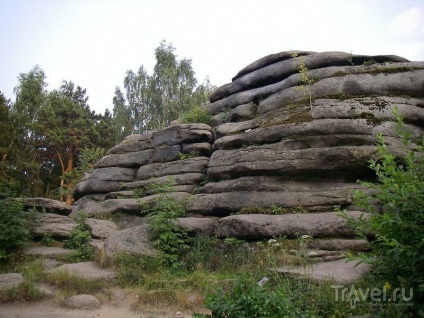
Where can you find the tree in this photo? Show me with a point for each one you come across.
(21, 164)
(153, 102)
(172, 86)
(65, 125)
(122, 118)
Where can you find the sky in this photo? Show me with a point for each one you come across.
(94, 42)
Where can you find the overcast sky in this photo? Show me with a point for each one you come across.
(94, 42)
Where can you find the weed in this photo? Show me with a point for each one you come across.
(71, 284)
(79, 239)
(32, 271)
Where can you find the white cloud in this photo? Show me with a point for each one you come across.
(409, 23)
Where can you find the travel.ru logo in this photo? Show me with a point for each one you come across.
(381, 296)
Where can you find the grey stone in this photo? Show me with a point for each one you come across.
(49, 224)
(47, 251)
(278, 71)
(132, 241)
(223, 204)
(48, 205)
(166, 153)
(133, 143)
(281, 184)
(349, 161)
(134, 206)
(129, 159)
(260, 93)
(155, 170)
(10, 280)
(179, 179)
(203, 149)
(318, 127)
(104, 180)
(259, 226)
(182, 133)
(268, 60)
(406, 83)
(83, 301)
(241, 113)
(341, 271)
(357, 245)
(101, 229)
(200, 226)
(87, 270)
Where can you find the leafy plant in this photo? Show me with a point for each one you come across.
(196, 114)
(14, 232)
(79, 239)
(399, 226)
(168, 237)
(304, 78)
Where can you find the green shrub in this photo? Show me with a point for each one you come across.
(398, 248)
(248, 299)
(196, 114)
(14, 232)
(167, 236)
(79, 239)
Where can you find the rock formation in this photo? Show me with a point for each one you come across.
(291, 135)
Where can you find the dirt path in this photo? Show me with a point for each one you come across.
(50, 309)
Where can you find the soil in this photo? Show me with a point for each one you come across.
(51, 309)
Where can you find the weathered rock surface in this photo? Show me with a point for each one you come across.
(47, 205)
(200, 226)
(155, 170)
(49, 224)
(87, 270)
(82, 301)
(278, 147)
(341, 271)
(133, 241)
(357, 245)
(257, 226)
(101, 229)
(129, 205)
(47, 251)
(10, 280)
(280, 70)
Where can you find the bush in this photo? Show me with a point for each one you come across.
(398, 248)
(14, 232)
(167, 236)
(196, 114)
(79, 239)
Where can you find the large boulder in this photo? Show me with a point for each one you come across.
(10, 280)
(47, 205)
(49, 224)
(155, 170)
(132, 241)
(258, 226)
(101, 229)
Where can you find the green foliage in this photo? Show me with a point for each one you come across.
(153, 101)
(196, 114)
(71, 284)
(14, 232)
(398, 248)
(167, 236)
(32, 271)
(247, 299)
(79, 239)
(304, 78)
(184, 156)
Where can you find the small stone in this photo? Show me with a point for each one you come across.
(82, 301)
(10, 280)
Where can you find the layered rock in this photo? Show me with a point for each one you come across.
(291, 135)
